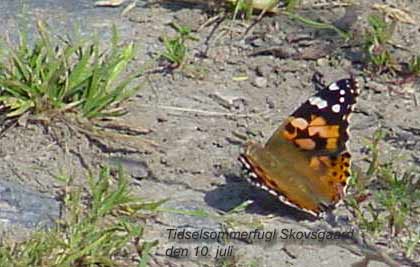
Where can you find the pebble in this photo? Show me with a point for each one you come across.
(260, 82)
(263, 70)
(21, 207)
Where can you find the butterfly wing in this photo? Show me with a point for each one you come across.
(305, 162)
(320, 125)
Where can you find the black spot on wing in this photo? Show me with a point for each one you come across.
(289, 128)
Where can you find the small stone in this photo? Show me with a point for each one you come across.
(263, 70)
(270, 103)
(227, 101)
(137, 169)
(161, 119)
(260, 82)
(164, 162)
(322, 61)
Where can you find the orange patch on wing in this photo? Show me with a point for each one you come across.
(331, 144)
(300, 123)
(317, 121)
(305, 143)
(314, 163)
(288, 135)
(324, 131)
(338, 173)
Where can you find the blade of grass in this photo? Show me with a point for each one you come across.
(317, 25)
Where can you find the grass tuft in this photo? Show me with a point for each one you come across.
(94, 231)
(246, 8)
(414, 65)
(51, 79)
(376, 37)
(176, 50)
(392, 210)
(242, 7)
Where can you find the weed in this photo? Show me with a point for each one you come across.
(93, 231)
(175, 48)
(373, 148)
(393, 208)
(74, 84)
(398, 197)
(414, 65)
(412, 244)
(375, 43)
(52, 79)
(247, 7)
(241, 7)
(318, 25)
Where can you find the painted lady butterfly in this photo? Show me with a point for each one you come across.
(305, 162)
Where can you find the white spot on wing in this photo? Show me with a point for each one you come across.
(244, 163)
(319, 102)
(342, 100)
(253, 175)
(342, 92)
(336, 108)
(333, 87)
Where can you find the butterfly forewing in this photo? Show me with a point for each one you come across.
(320, 124)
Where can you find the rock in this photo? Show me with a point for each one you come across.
(228, 101)
(23, 208)
(260, 82)
(135, 168)
(263, 70)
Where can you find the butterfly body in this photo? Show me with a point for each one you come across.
(305, 162)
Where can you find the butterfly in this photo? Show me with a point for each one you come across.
(306, 163)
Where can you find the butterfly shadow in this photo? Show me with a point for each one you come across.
(237, 190)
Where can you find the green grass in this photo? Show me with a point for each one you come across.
(52, 78)
(317, 24)
(98, 229)
(376, 49)
(393, 209)
(414, 65)
(176, 49)
(245, 8)
(241, 7)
